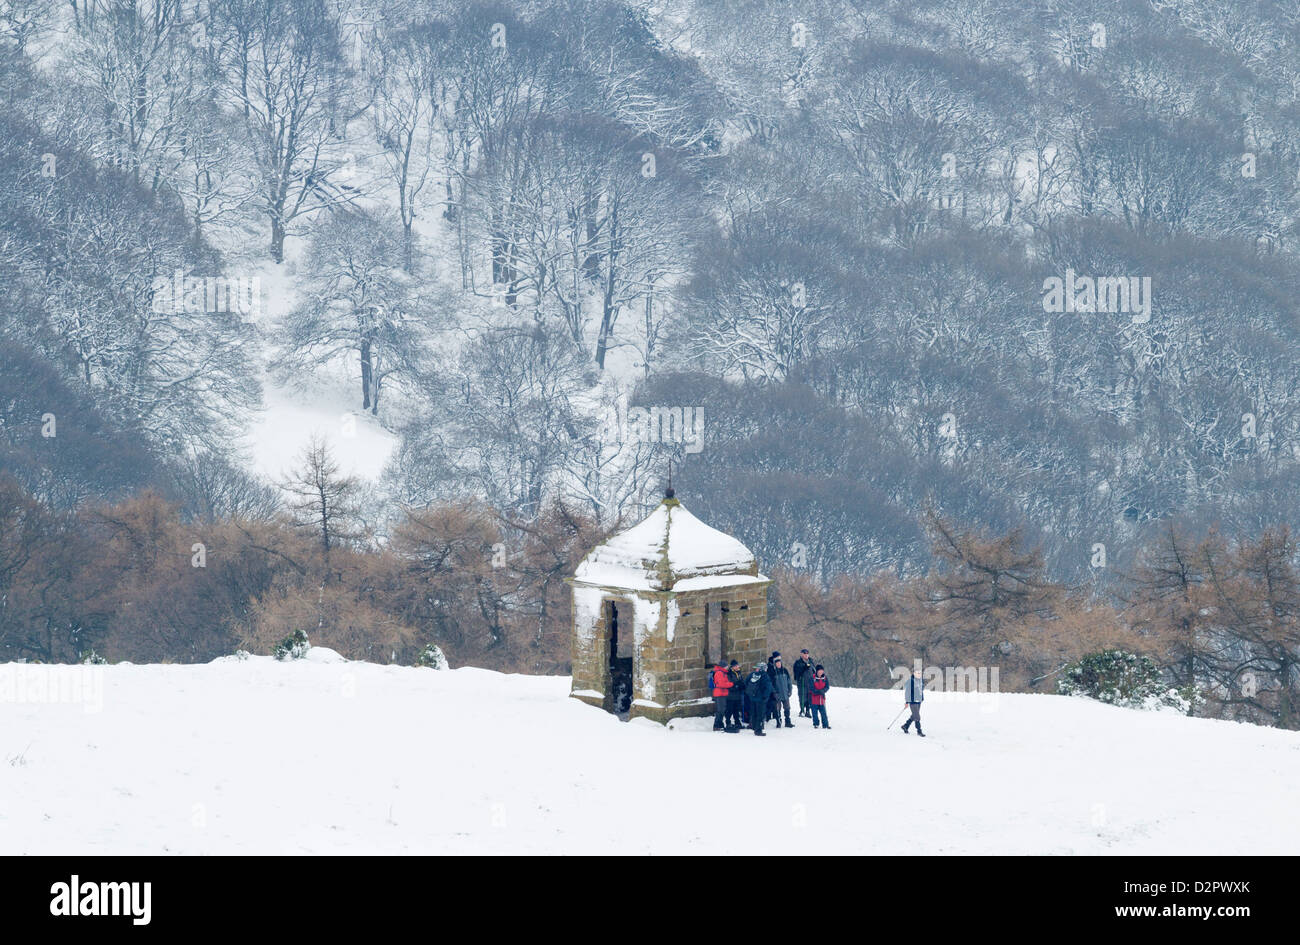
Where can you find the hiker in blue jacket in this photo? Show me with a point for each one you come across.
(913, 693)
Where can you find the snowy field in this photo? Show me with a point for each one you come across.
(324, 756)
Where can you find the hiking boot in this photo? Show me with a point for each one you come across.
(905, 726)
(918, 730)
(789, 724)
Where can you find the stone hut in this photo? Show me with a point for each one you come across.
(655, 607)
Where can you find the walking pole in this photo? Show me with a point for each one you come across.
(901, 711)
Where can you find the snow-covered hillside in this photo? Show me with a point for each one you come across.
(325, 756)
(323, 404)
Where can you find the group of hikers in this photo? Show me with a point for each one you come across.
(752, 700)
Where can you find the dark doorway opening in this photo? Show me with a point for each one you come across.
(712, 634)
(620, 662)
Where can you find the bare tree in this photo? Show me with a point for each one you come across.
(323, 500)
(405, 77)
(358, 300)
(286, 76)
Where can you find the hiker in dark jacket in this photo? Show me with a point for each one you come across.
(735, 696)
(803, 668)
(913, 694)
(781, 688)
(758, 687)
(817, 687)
(769, 710)
(721, 686)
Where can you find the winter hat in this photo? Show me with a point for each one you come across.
(760, 665)
(820, 666)
(776, 655)
(735, 663)
(803, 652)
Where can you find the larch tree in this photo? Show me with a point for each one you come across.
(324, 501)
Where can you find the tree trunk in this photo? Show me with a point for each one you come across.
(591, 265)
(376, 379)
(365, 374)
(649, 328)
(607, 314)
(277, 239)
(602, 342)
(1285, 713)
(498, 248)
(449, 208)
(325, 512)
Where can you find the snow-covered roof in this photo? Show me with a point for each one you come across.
(670, 550)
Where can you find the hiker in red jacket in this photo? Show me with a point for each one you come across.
(817, 687)
(721, 685)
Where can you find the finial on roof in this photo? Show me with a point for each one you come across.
(669, 493)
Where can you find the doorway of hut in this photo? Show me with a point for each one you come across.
(618, 627)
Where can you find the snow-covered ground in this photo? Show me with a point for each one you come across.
(320, 409)
(326, 756)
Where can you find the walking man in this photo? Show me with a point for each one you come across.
(803, 668)
(913, 693)
(757, 688)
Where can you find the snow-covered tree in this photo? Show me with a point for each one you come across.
(358, 302)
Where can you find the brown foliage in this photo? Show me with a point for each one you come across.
(136, 581)
(1250, 602)
(987, 603)
(492, 589)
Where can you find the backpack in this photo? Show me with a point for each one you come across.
(711, 684)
